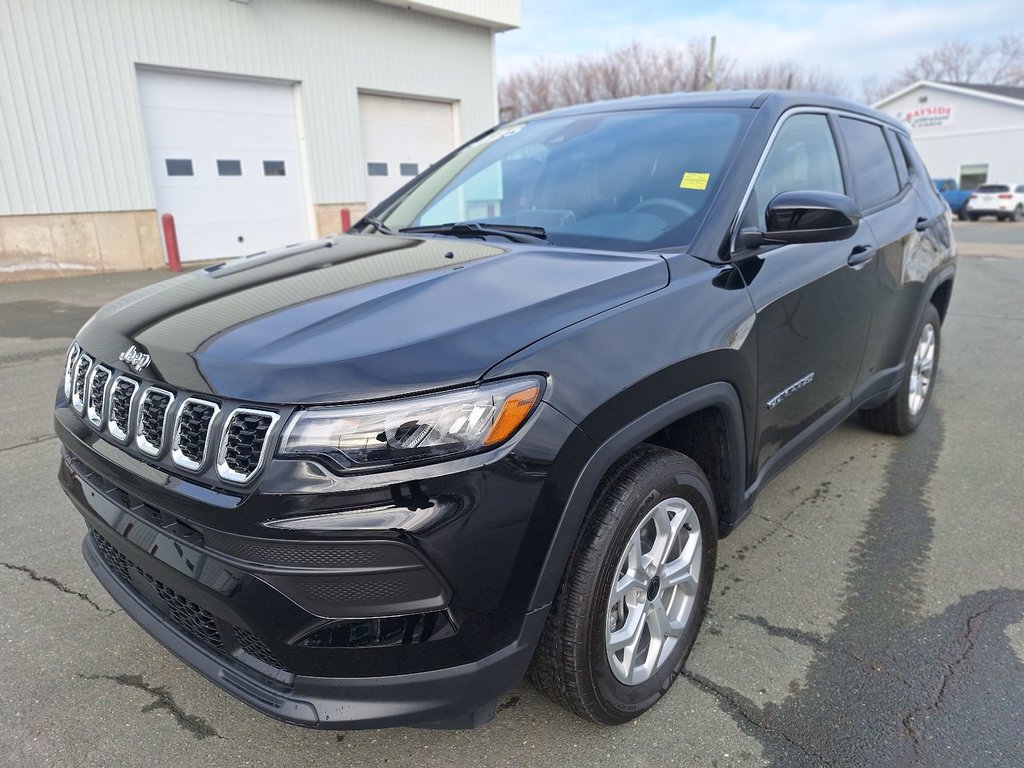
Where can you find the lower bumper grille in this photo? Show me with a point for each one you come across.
(190, 617)
(256, 647)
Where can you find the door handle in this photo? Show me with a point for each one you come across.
(860, 254)
(923, 224)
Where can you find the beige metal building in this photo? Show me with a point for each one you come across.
(252, 121)
(968, 132)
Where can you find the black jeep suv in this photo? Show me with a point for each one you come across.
(499, 428)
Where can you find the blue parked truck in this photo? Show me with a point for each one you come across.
(956, 198)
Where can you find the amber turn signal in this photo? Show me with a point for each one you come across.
(513, 413)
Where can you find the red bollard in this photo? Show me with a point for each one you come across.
(171, 242)
(346, 219)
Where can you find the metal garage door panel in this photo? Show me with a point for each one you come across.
(402, 131)
(205, 119)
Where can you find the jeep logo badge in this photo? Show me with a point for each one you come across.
(134, 358)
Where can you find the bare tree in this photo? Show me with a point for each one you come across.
(636, 70)
(786, 76)
(998, 62)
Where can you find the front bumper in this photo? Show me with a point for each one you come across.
(998, 210)
(456, 697)
(195, 568)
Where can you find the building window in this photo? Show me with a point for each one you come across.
(973, 176)
(377, 169)
(179, 167)
(229, 167)
(273, 168)
(409, 169)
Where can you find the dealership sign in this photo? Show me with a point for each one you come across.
(927, 117)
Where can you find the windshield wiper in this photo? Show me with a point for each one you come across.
(379, 225)
(514, 232)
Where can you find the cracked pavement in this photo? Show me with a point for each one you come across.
(870, 612)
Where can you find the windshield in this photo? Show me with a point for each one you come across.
(994, 188)
(618, 181)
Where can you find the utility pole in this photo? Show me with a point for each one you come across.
(709, 76)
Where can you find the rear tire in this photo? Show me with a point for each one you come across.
(603, 654)
(902, 413)
(1018, 213)
(972, 216)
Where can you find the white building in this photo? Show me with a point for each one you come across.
(253, 122)
(971, 133)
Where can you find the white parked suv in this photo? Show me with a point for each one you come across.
(1004, 201)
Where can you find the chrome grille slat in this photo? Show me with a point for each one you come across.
(243, 445)
(69, 367)
(79, 382)
(96, 402)
(122, 397)
(191, 440)
(178, 428)
(151, 423)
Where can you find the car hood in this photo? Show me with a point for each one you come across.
(358, 317)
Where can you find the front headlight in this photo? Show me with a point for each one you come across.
(414, 429)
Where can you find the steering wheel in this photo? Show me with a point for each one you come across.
(663, 202)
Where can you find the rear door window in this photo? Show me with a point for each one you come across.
(874, 171)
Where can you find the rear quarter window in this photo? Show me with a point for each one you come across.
(902, 163)
(874, 171)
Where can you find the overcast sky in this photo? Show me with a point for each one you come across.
(852, 40)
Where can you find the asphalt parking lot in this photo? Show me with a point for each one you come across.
(870, 612)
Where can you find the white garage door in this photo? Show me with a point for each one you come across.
(225, 161)
(401, 138)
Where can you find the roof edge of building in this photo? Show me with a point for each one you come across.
(498, 16)
(967, 89)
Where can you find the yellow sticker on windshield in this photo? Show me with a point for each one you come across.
(694, 180)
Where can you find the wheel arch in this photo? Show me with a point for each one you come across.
(715, 404)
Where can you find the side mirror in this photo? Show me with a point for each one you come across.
(804, 217)
(811, 217)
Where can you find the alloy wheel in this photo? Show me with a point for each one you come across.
(921, 369)
(654, 591)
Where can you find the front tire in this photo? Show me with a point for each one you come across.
(638, 580)
(902, 413)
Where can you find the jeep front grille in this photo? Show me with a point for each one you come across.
(98, 381)
(69, 368)
(192, 432)
(153, 411)
(241, 450)
(78, 385)
(121, 397)
(176, 427)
